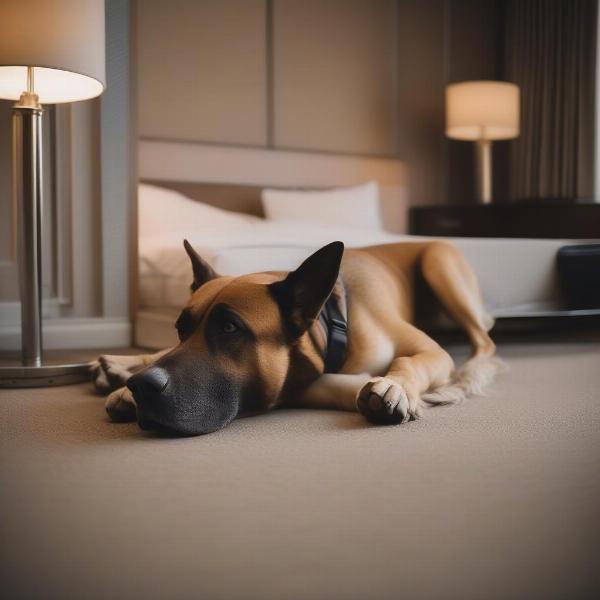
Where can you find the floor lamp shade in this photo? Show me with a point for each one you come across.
(63, 39)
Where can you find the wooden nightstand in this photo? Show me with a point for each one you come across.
(518, 220)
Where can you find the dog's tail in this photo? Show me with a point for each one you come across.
(472, 378)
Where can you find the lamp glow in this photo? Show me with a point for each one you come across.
(62, 39)
(53, 86)
(482, 110)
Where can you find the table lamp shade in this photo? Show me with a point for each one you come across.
(482, 110)
(62, 39)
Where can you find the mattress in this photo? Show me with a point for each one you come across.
(259, 245)
(517, 277)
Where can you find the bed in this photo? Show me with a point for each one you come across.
(227, 226)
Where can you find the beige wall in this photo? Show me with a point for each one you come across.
(202, 70)
(334, 75)
(421, 77)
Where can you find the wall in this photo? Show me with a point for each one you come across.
(334, 79)
(202, 70)
(421, 77)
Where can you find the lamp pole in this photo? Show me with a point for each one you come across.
(27, 196)
(483, 151)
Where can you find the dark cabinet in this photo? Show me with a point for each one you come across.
(519, 220)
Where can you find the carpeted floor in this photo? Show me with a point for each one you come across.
(496, 498)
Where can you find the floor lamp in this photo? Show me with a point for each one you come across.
(482, 111)
(50, 52)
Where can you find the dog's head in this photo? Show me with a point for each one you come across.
(242, 342)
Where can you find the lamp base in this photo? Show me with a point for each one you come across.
(44, 376)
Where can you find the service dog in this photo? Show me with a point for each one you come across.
(252, 343)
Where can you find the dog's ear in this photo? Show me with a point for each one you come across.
(302, 294)
(203, 272)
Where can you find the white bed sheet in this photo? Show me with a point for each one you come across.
(517, 276)
(165, 273)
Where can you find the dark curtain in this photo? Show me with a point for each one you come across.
(550, 52)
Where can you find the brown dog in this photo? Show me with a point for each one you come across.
(252, 343)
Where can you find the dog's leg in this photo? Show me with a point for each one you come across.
(390, 399)
(111, 372)
(454, 283)
(396, 397)
(333, 391)
(120, 405)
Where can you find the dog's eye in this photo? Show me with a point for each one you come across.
(229, 327)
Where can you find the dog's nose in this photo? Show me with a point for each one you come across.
(148, 385)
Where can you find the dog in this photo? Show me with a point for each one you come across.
(252, 343)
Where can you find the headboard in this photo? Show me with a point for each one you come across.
(238, 198)
(232, 177)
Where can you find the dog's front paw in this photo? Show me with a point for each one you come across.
(109, 374)
(384, 401)
(120, 406)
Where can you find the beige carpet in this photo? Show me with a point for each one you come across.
(496, 498)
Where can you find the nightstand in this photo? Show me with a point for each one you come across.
(517, 220)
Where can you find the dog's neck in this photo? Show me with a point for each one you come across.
(334, 322)
(322, 349)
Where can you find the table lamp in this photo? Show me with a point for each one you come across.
(50, 52)
(482, 111)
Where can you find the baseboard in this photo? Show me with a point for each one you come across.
(10, 312)
(74, 333)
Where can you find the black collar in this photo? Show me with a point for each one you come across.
(334, 322)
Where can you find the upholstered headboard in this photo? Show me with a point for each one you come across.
(232, 177)
(238, 198)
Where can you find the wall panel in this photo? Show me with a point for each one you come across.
(334, 75)
(202, 70)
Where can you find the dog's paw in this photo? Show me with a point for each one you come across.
(384, 401)
(120, 406)
(99, 377)
(109, 374)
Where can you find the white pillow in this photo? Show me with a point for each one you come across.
(164, 213)
(356, 206)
